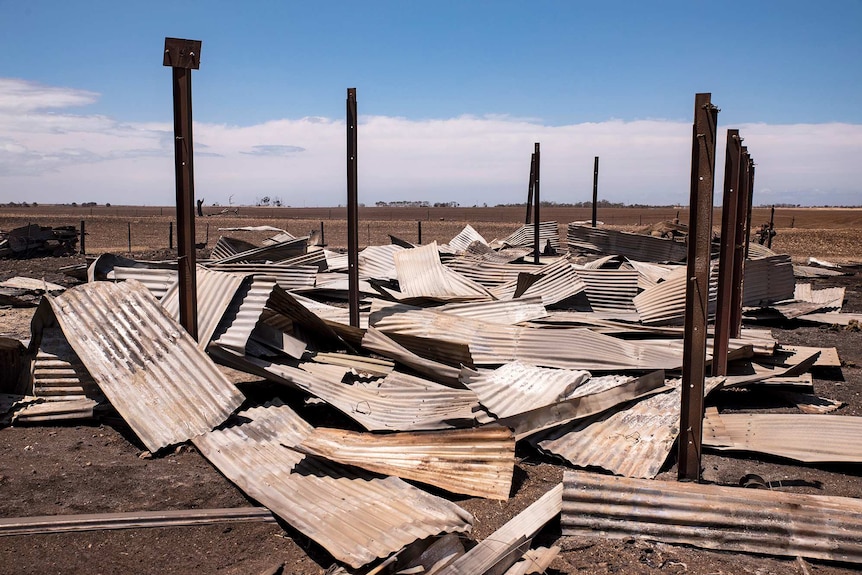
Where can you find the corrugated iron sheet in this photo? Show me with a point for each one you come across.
(517, 387)
(730, 519)
(421, 275)
(549, 234)
(634, 246)
(664, 303)
(633, 441)
(226, 247)
(832, 318)
(478, 461)
(275, 252)
(289, 277)
(767, 280)
(378, 342)
(378, 262)
(356, 516)
(158, 281)
(799, 436)
(610, 290)
(650, 274)
(507, 312)
(235, 328)
(58, 373)
(215, 290)
(828, 297)
(150, 369)
(62, 410)
(335, 262)
(485, 253)
(462, 241)
(491, 274)
(554, 282)
(523, 526)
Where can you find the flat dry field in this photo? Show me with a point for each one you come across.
(828, 233)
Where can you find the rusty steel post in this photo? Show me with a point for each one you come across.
(530, 188)
(170, 235)
(419, 232)
(83, 250)
(743, 226)
(697, 286)
(595, 188)
(322, 236)
(352, 211)
(750, 169)
(729, 224)
(536, 204)
(771, 227)
(183, 56)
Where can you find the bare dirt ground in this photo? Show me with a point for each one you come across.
(96, 467)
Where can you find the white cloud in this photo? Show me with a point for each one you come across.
(48, 155)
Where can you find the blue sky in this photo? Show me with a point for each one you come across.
(451, 97)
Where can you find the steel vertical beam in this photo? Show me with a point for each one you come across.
(595, 188)
(83, 249)
(352, 211)
(750, 169)
(729, 224)
(183, 56)
(743, 225)
(771, 227)
(697, 286)
(529, 216)
(536, 203)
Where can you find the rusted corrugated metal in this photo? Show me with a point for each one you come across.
(664, 303)
(554, 282)
(730, 519)
(633, 441)
(478, 461)
(381, 344)
(534, 561)
(377, 262)
(500, 544)
(150, 369)
(421, 275)
(517, 387)
(58, 373)
(549, 233)
(158, 281)
(356, 516)
(406, 404)
(289, 277)
(462, 241)
(635, 246)
(799, 436)
(767, 280)
(236, 327)
(62, 410)
(496, 344)
(610, 290)
(215, 290)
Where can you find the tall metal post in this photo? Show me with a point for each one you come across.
(750, 200)
(595, 188)
(183, 56)
(83, 250)
(740, 243)
(352, 211)
(419, 232)
(771, 227)
(729, 224)
(536, 203)
(697, 286)
(530, 188)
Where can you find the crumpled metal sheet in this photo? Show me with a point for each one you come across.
(145, 363)
(491, 274)
(610, 290)
(378, 262)
(664, 303)
(767, 280)
(463, 240)
(378, 342)
(634, 246)
(422, 275)
(730, 519)
(356, 516)
(553, 282)
(549, 234)
(478, 461)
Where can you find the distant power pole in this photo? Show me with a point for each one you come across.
(595, 187)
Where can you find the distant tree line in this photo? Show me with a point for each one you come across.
(600, 204)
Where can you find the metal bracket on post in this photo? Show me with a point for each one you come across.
(183, 56)
(536, 203)
(352, 211)
(729, 224)
(697, 287)
(595, 188)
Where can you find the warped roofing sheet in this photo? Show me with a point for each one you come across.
(554, 282)
(235, 328)
(378, 342)
(767, 280)
(650, 274)
(274, 252)
(406, 404)
(827, 297)
(420, 274)
(506, 312)
(517, 387)
(478, 461)
(800, 436)
(463, 240)
(227, 246)
(377, 262)
(356, 516)
(549, 233)
(664, 303)
(490, 551)
(58, 373)
(496, 344)
(289, 277)
(610, 290)
(729, 519)
(158, 281)
(634, 246)
(484, 252)
(145, 363)
(633, 441)
(215, 290)
(490, 274)
(19, 282)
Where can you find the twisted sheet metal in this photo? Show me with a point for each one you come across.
(767, 280)
(478, 461)
(549, 233)
(491, 274)
(236, 326)
(461, 242)
(522, 527)
(799, 436)
(633, 441)
(58, 373)
(274, 252)
(378, 342)
(650, 274)
(401, 403)
(730, 519)
(496, 344)
(288, 276)
(517, 387)
(610, 290)
(554, 282)
(664, 303)
(507, 312)
(215, 291)
(634, 246)
(150, 369)
(420, 274)
(827, 297)
(356, 516)
(158, 281)
(482, 252)
(378, 262)
(227, 246)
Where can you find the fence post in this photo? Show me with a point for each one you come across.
(83, 250)
(536, 203)
(595, 187)
(130, 236)
(352, 211)
(170, 235)
(530, 187)
(697, 287)
(419, 226)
